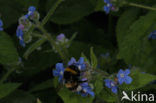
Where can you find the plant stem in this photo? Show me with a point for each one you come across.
(102, 73)
(119, 95)
(38, 35)
(141, 6)
(52, 42)
(7, 74)
(50, 13)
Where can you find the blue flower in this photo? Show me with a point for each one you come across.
(59, 71)
(31, 11)
(72, 61)
(60, 37)
(1, 25)
(123, 76)
(80, 64)
(111, 84)
(86, 90)
(19, 34)
(152, 35)
(108, 6)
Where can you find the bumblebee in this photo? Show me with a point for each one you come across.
(72, 78)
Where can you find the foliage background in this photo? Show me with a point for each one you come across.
(123, 34)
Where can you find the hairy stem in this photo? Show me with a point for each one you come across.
(51, 12)
(141, 6)
(52, 42)
(119, 96)
(102, 73)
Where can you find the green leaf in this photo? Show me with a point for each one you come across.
(124, 23)
(99, 5)
(7, 88)
(39, 61)
(33, 47)
(70, 11)
(139, 80)
(107, 95)
(98, 84)
(48, 96)
(19, 97)
(93, 58)
(44, 85)
(8, 52)
(70, 97)
(134, 47)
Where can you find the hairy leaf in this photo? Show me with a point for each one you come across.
(70, 11)
(7, 88)
(8, 52)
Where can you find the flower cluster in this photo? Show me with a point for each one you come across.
(122, 77)
(152, 35)
(86, 90)
(111, 84)
(25, 22)
(61, 41)
(108, 6)
(1, 25)
(31, 11)
(83, 89)
(20, 33)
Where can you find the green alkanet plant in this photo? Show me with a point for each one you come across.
(79, 77)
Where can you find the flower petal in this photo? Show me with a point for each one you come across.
(121, 80)
(81, 60)
(55, 73)
(1, 22)
(128, 80)
(22, 43)
(60, 37)
(31, 8)
(127, 71)
(59, 67)
(72, 61)
(107, 83)
(114, 90)
(1, 29)
(84, 94)
(60, 78)
(106, 9)
(82, 66)
(107, 1)
(120, 72)
(91, 93)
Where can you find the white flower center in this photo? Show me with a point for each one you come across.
(122, 75)
(20, 38)
(29, 12)
(61, 72)
(79, 88)
(108, 5)
(79, 67)
(85, 90)
(112, 84)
